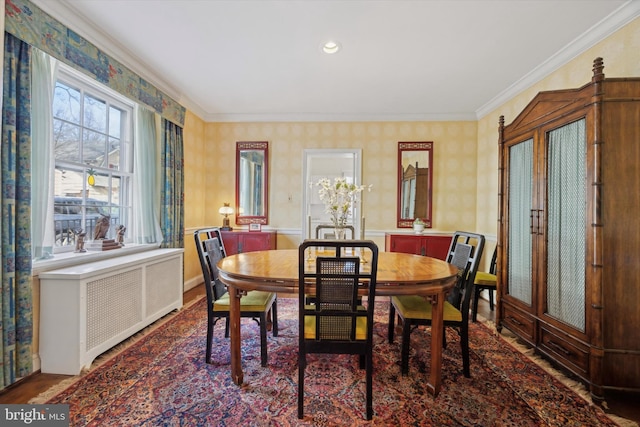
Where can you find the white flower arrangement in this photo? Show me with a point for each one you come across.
(338, 198)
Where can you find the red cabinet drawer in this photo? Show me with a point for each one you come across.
(418, 244)
(236, 242)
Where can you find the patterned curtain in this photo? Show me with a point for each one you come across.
(172, 198)
(16, 295)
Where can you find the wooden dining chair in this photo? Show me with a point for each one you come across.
(337, 323)
(255, 304)
(465, 252)
(485, 281)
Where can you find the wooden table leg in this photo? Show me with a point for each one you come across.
(437, 332)
(234, 332)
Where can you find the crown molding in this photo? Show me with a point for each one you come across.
(63, 12)
(338, 117)
(598, 32)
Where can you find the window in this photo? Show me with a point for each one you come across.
(92, 137)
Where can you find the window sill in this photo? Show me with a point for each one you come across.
(69, 259)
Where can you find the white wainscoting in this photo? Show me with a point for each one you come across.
(87, 309)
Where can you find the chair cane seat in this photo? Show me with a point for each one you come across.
(310, 326)
(485, 279)
(416, 307)
(253, 301)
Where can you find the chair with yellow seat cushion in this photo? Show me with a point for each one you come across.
(465, 252)
(255, 304)
(485, 281)
(337, 323)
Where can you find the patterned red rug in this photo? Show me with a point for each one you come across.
(163, 380)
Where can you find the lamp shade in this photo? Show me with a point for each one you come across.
(226, 209)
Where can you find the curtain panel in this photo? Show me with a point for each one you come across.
(172, 197)
(146, 191)
(16, 292)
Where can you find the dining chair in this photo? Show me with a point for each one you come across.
(485, 281)
(256, 305)
(465, 252)
(337, 323)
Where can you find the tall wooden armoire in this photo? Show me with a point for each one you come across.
(569, 230)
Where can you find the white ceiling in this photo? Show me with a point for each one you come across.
(257, 60)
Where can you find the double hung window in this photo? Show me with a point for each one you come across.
(92, 148)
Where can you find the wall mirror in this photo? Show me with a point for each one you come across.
(415, 184)
(252, 182)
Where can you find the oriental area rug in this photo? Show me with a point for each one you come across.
(162, 379)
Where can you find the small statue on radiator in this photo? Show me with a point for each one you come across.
(102, 227)
(80, 235)
(120, 230)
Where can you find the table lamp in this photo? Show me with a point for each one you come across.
(226, 210)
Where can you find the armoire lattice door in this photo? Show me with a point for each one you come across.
(569, 234)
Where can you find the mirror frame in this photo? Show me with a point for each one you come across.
(404, 147)
(253, 146)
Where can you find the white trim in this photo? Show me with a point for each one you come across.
(598, 32)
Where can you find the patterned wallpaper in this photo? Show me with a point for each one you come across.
(211, 172)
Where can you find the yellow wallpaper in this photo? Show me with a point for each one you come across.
(454, 167)
(195, 176)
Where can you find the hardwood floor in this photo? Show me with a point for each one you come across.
(623, 405)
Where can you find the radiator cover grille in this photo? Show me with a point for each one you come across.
(113, 306)
(161, 292)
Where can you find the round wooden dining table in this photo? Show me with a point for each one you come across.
(398, 274)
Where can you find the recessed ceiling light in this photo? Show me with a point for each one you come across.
(331, 47)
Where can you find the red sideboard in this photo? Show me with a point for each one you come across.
(434, 246)
(236, 242)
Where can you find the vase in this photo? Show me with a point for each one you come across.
(339, 233)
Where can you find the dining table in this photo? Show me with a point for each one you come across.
(398, 274)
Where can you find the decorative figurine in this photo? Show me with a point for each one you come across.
(102, 227)
(80, 235)
(120, 229)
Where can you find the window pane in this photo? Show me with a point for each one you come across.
(95, 114)
(68, 182)
(94, 149)
(66, 141)
(115, 119)
(114, 153)
(115, 190)
(100, 190)
(66, 103)
(67, 215)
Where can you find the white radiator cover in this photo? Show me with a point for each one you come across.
(87, 309)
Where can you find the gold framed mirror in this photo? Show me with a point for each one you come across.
(415, 183)
(252, 182)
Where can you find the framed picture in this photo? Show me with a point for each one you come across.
(255, 227)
